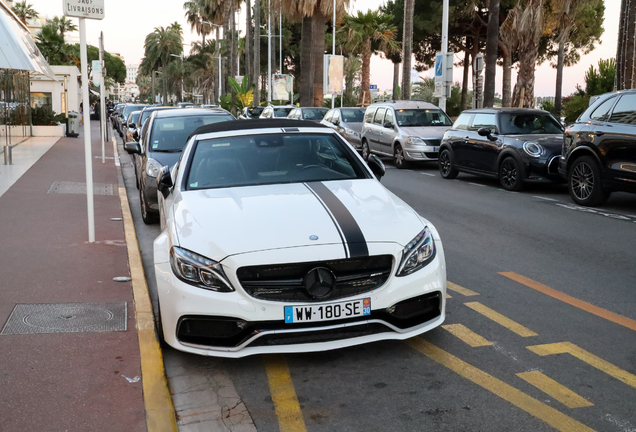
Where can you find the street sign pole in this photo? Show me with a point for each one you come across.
(102, 95)
(442, 99)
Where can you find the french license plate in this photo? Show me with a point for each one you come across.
(328, 312)
(434, 149)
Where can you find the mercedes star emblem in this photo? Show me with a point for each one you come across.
(319, 282)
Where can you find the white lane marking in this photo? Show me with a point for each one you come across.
(594, 211)
(476, 184)
(116, 153)
(428, 174)
(544, 198)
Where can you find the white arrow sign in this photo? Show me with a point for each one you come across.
(91, 9)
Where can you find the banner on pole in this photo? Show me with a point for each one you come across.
(333, 81)
(282, 87)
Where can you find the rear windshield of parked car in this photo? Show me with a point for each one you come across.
(133, 118)
(254, 111)
(130, 108)
(524, 124)
(422, 117)
(314, 113)
(352, 115)
(171, 133)
(271, 159)
(282, 112)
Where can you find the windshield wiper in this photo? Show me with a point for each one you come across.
(167, 150)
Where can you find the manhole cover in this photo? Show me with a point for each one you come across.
(66, 318)
(76, 188)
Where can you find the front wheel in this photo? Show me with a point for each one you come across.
(584, 182)
(398, 157)
(365, 150)
(446, 166)
(510, 174)
(146, 216)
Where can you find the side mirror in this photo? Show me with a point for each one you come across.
(132, 126)
(164, 181)
(388, 125)
(376, 166)
(486, 132)
(132, 147)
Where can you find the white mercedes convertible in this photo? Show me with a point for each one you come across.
(277, 237)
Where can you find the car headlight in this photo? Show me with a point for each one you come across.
(352, 133)
(533, 149)
(153, 167)
(418, 253)
(415, 141)
(199, 271)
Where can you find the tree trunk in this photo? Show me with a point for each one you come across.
(559, 79)
(396, 81)
(407, 48)
(306, 65)
(319, 30)
(492, 44)
(523, 95)
(464, 98)
(248, 40)
(620, 47)
(234, 69)
(365, 94)
(257, 52)
(628, 74)
(218, 87)
(506, 97)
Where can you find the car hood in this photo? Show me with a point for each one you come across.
(551, 142)
(222, 222)
(357, 127)
(435, 132)
(165, 158)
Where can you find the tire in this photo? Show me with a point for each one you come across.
(365, 150)
(159, 326)
(398, 157)
(447, 165)
(510, 174)
(146, 216)
(584, 182)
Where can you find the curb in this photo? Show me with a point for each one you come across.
(160, 415)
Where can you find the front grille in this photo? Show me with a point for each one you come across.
(432, 155)
(226, 332)
(553, 165)
(284, 282)
(433, 142)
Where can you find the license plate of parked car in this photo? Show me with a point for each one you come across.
(327, 312)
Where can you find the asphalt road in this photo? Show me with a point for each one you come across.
(549, 344)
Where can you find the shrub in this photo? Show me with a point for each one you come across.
(45, 116)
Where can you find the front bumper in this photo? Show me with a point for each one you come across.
(193, 318)
(543, 170)
(421, 153)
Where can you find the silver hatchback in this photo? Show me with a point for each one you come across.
(405, 130)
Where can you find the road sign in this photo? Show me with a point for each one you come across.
(91, 9)
(439, 68)
(374, 90)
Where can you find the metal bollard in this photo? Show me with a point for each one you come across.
(8, 157)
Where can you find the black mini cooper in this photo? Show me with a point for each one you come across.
(515, 145)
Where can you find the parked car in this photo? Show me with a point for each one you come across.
(116, 116)
(251, 112)
(162, 140)
(276, 111)
(599, 149)
(184, 105)
(122, 127)
(277, 241)
(348, 123)
(315, 114)
(132, 123)
(405, 130)
(514, 145)
(147, 112)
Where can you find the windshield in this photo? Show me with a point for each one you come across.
(133, 118)
(524, 124)
(314, 113)
(170, 134)
(255, 111)
(282, 112)
(130, 108)
(422, 117)
(271, 159)
(355, 115)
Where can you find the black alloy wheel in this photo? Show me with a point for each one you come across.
(365, 150)
(446, 166)
(146, 216)
(398, 157)
(584, 182)
(510, 174)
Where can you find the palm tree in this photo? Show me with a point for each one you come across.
(63, 24)
(194, 16)
(492, 46)
(363, 29)
(159, 46)
(24, 11)
(529, 26)
(407, 48)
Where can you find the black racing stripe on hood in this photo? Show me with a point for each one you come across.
(353, 234)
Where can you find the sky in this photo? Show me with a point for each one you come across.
(127, 23)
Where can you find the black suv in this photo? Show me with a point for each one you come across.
(599, 150)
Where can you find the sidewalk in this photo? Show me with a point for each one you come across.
(70, 356)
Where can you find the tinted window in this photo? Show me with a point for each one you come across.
(389, 117)
(463, 121)
(130, 108)
(314, 113)
(524, 123)
(422, 117)
(602, 110)
(133, 118)
(625, 110)
(282, 112)
(368, 115)
(353, 115)
(271, 159)
(379, 116)
(171, 134)
(484, 121)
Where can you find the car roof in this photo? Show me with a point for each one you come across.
(404, 104)
(156, 108)
(510, 110)
(257, 124)
(320, 108)
(176, 112)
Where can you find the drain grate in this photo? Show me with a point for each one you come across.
(76, 188)
(66, 318)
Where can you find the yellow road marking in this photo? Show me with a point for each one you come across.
(466, 335)
(448, 295)
(158, 403)
(559, 392)
(527, 403)
(511, 325)
(460, 289)
(281, 386)
(586, 357)
(583, 305)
